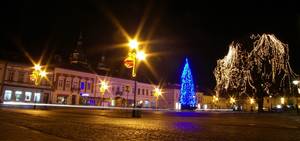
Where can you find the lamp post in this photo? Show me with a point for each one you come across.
(251, 101)
(215, 100)
(296, 83)
(270, 103)
(157, 93)
(36, 76)
(232, 101)
(103, 88)
(134, 55)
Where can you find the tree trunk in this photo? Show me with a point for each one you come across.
(260, 99)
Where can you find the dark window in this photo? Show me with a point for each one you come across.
(21, 76)
(11, 75)
(143, 91)
(88, 86)
(139, 91)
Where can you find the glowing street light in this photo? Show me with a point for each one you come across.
(37, 67)
(282, 100)
(251, 100)
(133, 44)
(157, 93)
(103, 87)
(37, 74)
(215, 100)
(232, 100)
(134, 55)
(141, 55)
(296, 82)
(43, 73)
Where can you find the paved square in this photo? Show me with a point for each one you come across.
(87, 124)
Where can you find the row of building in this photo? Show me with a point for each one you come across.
(70, 85)
(76, 83)
(66, 85)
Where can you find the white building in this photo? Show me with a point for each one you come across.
(70, 86)
(17, 86)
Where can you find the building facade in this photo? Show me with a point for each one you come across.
(70, 86)
(16, 85)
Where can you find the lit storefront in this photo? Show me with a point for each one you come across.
(30, 95)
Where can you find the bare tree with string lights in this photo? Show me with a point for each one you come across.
(262, 71)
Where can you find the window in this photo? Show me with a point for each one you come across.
(147, 92)
(62, 99)
(37, 97)
(28, 96)
(118, 89)
(88, 85)
(81, 85)
(60, 83)
(10, 75)
(7, 95)
(75, 85)
(21, 76)
(139, 91)
(143, 91)
(68, 84)
(18, 95)
(113, 89)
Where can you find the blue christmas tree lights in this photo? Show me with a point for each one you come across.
(187, 91)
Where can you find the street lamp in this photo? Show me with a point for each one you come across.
(37, 74)
(215, 100)
(103, 88)
(157, 93)
(232, 100)
(252, 101)
(134, 55)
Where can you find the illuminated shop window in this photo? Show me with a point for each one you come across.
(7, 94)
(28, 96)
(18, 95)
(37, 97)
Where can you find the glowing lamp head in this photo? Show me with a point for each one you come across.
(141, 55)
(296, 82)
(282, 100)
(232, 100)
(103, 87)
(133, 44)
(157, 92)
(252, 100)
(37, 67)
(43, 73)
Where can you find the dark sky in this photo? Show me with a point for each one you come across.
(200, 31)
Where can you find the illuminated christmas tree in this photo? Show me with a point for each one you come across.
(187, 91)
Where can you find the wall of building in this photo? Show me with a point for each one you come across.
(18, 87)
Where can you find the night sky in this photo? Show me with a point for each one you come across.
(200, 31)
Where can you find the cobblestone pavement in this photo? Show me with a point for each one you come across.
(90, 125)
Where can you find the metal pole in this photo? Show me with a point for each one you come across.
(297, 105)
(102, 103)
(134, 114)
(156, 102)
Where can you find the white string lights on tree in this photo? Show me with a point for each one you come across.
(270, 52)
(264, 66)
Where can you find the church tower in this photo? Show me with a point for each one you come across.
(78, 55)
